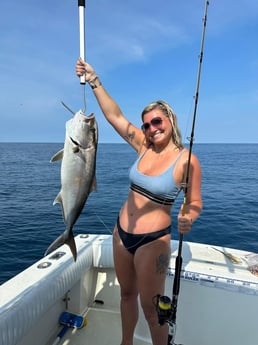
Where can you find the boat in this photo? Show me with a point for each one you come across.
(217, 303)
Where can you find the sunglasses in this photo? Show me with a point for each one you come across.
(155, 122)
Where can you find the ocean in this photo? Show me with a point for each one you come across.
(29, 184)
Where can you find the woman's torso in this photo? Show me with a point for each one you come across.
(161, 175)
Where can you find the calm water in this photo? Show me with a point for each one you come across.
(29, 184)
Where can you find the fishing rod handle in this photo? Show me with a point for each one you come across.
(81, 5)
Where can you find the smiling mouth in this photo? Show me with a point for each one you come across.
(156, 134)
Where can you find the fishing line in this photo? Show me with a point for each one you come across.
(185, 137)
(103, 223)
(166, 308)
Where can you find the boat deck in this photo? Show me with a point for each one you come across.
(218, 301)
(96, 330)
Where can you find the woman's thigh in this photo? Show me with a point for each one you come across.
(151, 264)
(124, 266)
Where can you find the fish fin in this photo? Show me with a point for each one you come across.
(58, 156)
(64, 239)
(58, 199)
(94, 184)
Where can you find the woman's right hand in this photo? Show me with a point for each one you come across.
(82, 68)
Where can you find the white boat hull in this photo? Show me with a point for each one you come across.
(218, 301)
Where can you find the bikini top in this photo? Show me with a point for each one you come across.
(159, 188)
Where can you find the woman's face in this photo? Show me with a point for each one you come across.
(157, 127)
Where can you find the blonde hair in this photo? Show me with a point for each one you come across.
(168, 112)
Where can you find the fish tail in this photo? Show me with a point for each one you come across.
(64, 239)
(71, 243)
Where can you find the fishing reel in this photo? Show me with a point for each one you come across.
(164, 308)
(166, 311)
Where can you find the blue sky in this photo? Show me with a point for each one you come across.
(143, 50)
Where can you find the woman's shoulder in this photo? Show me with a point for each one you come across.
(184, 153)
(184, 157)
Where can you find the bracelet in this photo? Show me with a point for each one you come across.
(93, 83)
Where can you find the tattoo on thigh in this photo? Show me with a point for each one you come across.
(162, 264)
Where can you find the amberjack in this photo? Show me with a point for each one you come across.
(78, 173)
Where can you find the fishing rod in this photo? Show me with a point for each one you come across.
(167, 308)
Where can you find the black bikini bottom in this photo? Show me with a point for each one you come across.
(133, 241)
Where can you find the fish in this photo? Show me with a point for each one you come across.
(78, 173)
(230, 256)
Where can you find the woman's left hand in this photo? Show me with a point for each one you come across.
(184, 223)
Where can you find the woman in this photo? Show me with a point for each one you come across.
(141, 237)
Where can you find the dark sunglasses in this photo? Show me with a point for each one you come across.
(155, 122)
